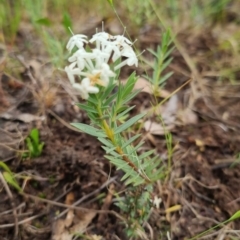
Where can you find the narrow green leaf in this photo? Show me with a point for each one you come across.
(148, 78)
(127, 89)
(124, 167)
(111, 2)
(92, 99)
(116, 161)
(123, 164)
(67, 21)
(93, 118)
(166, 63)
(34, 135)
(106, 142)
(128, 174)
(119, 163)
(153, 52)
(134, 149)
(136, 180)
(124, 112)
(146, 154)
(86, 108)
(44, 22)
(150, 166)
(9, 178)
(168, 52)
(235, 216)
(122, 108)
(40, 148)
(111, 151)
(131, 96)
(108, 91)
(119, 94)
(128, 123)
(131, 140)
(110, 100)
(165, 77)
(5, 167)
(89, 130)
(30, 146)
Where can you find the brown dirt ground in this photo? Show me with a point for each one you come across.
(202, 179)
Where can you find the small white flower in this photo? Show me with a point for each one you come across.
(100, 57)
(116, 46)
(106, 73)
(83, 93)
(71, 71)
(121, 40)
(125, 46)
(131, 60)
(77, 57)
(78, 53)
(106, 43)
(85, 88)
(101, 38)
(76, 40)
(100, 76)
(127, 51)
(93, 66)
(114, 50)
(83, 59)
(156, 202)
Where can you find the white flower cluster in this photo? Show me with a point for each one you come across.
(92, 67)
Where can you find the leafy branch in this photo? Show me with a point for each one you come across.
(105, 110)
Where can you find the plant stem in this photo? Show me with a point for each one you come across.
(110, 134)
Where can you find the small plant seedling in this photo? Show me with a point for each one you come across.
(34, 145)
(9, 176)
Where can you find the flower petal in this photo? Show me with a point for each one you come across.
(82, 92)
(76, 40)
(86, 84)
(70, 75)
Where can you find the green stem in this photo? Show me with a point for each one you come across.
(110, 134)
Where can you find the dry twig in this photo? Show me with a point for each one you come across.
(12, 204)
